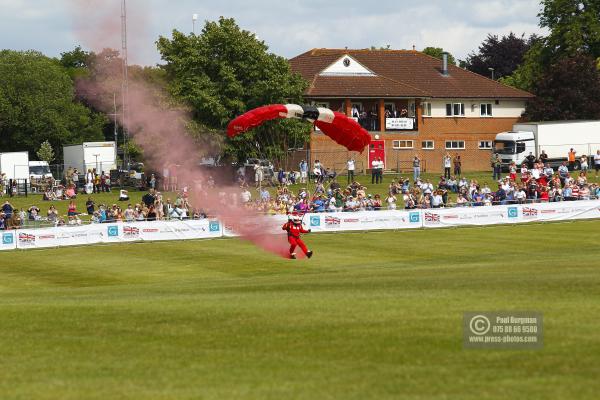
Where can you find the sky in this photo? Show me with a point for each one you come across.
(288, 27)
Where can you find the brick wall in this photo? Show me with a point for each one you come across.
(471, 130)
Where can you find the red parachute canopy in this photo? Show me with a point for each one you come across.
(341, 129)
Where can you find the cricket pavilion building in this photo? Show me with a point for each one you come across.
(411, 104)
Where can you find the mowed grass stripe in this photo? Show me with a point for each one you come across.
(374, 315)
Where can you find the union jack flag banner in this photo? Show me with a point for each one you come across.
(330, 220)
(430, 217)
(26, 237)
(131, 231)
(530, 212)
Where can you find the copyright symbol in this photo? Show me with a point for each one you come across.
(479, 325)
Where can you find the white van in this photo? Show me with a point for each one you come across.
(39, 170)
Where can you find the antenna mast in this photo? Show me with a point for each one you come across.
(125, 83)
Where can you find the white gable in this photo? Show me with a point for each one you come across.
(346, 66)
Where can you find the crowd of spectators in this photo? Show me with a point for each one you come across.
(151, 208)
(524, 185)
(538, 184)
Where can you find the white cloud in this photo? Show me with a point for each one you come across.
(289, 28)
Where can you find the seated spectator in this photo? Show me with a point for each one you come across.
(391, 201)
(377, 202)
(70, 192)
(72, 209)
(52, 214)
(33, 213)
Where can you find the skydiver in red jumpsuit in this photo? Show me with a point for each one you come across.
(294, 228)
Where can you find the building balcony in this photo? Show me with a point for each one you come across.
(392, 124)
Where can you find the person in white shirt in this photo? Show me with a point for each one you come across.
(597, 162)
(350, 167)
(246, 196)
(380, 169)
(391, 201)
(447, 165)
(437, 200)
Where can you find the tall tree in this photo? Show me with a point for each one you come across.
(37, 103)
(437, 53)
(503, 54)
(225, 71)
(569, 89)
(574, 27)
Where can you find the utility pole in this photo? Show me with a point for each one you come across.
(125, 83)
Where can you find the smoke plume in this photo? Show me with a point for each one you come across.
(160, 128)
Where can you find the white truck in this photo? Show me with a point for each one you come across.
(101, 156)
(14, 165)
(555, 138)
(39, 170)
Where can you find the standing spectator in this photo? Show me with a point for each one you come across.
(512, 171)
(374, 167)
(318, 171)
(96, 181)
(75, 178)
(497, 164)
(543, 157)
(350, 166)
(597, 162)
(416, 168)
(380, 170)
(530, 160)
(571, 156)
(583, 161)
(457, 165)
(303, 171)
(258, 174)
(152, 182)
(447, 165)
(165, 178)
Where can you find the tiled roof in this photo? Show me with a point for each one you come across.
(400, 73)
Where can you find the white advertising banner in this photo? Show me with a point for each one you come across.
(362, 220)
(36, 238)
(317, 222)
(399, 123)
(9, 241)
(443, 217)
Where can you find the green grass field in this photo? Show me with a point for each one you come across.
(371, 316)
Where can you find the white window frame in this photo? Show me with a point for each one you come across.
(409, 144)
(432, 142)
(489, 110)
(426, 109)
(461, 110)
(449, 142)
(412, 109)
(487, 145)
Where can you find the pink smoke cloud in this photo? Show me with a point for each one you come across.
(160, 129)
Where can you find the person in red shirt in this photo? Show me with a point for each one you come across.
(294, 228)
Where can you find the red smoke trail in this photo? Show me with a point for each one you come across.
(159, 129)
